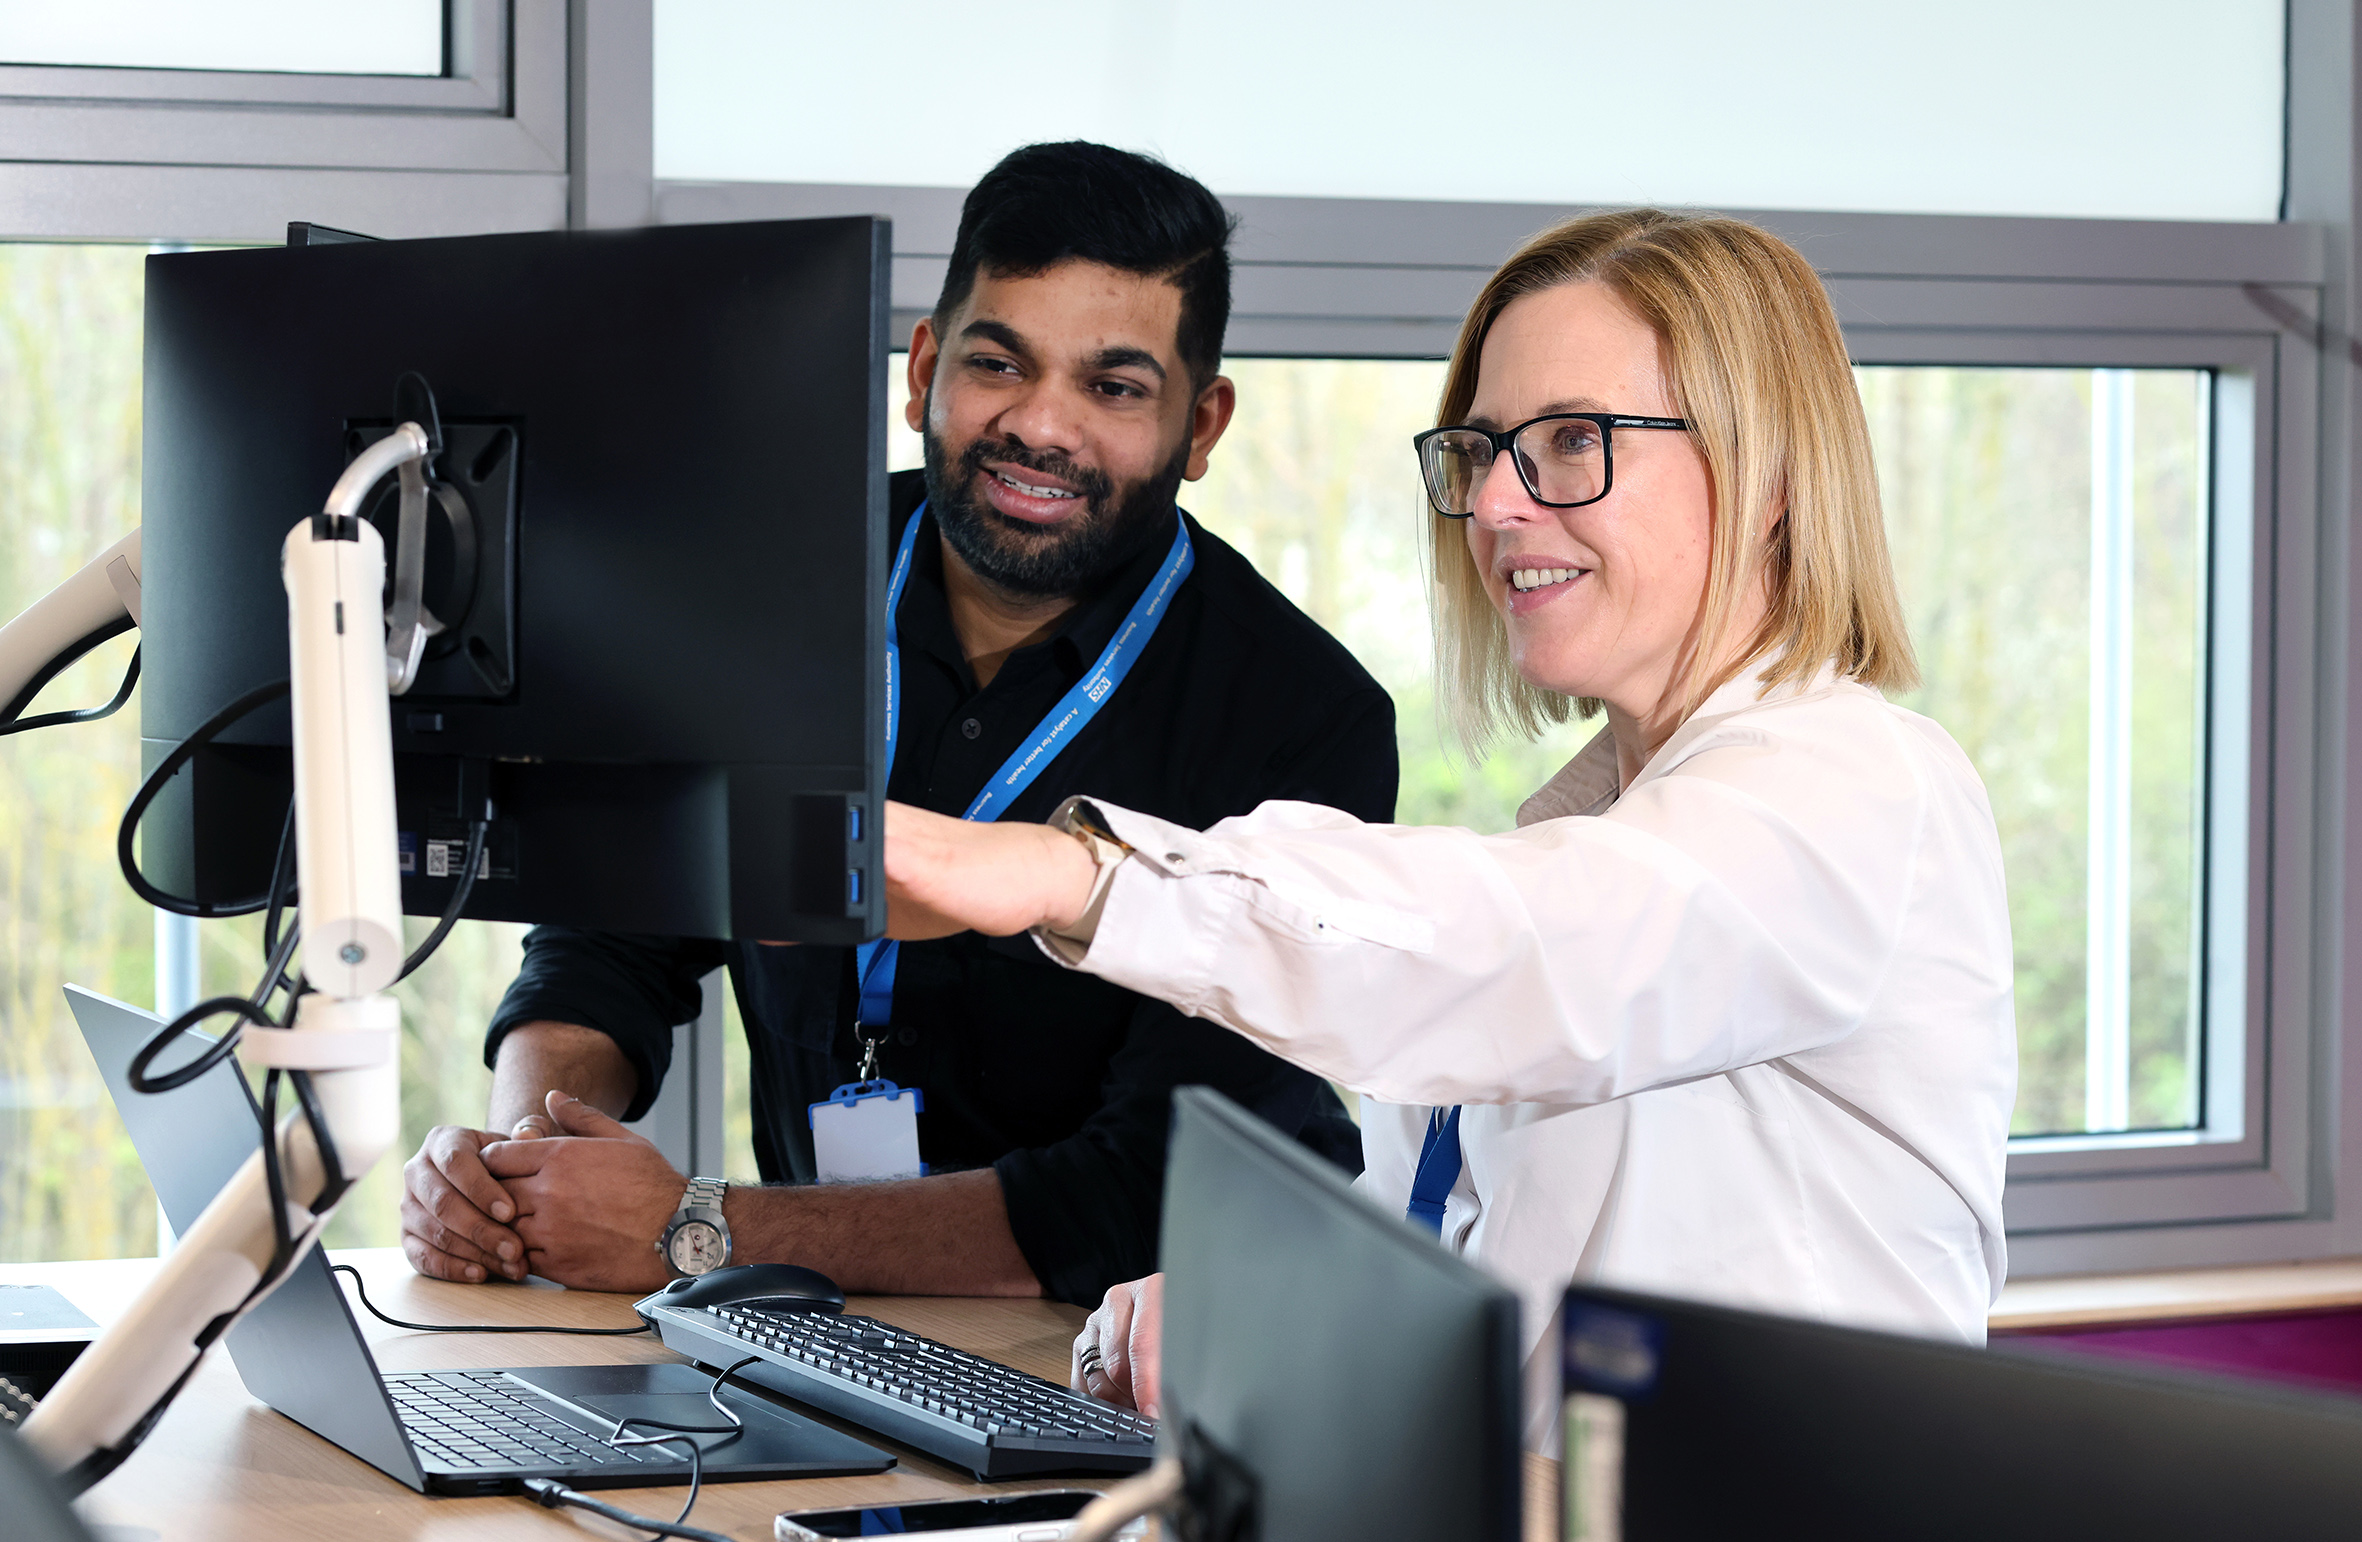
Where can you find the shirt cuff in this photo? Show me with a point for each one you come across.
(1152, 853)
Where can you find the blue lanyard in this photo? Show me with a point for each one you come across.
(875, 960)
(1439, 1169)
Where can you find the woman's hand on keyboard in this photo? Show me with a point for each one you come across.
(1115, 1356)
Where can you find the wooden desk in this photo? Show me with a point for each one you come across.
(222, 1466)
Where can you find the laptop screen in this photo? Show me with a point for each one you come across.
(191, 1140)
(299, 1350)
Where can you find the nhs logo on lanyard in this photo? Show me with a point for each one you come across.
(1099, 688)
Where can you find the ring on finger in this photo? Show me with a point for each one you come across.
(1090, 1363)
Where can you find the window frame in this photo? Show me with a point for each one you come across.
(97, 153)
(1381, 278)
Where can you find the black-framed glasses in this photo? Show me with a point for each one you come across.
(1565, 459)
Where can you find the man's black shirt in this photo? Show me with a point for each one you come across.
(1060, 1081)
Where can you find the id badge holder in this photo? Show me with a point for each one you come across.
(866, 1131)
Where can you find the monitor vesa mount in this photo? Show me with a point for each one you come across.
(457, 581)
(450, 598)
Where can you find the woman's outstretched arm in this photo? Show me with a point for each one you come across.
(1741, 907)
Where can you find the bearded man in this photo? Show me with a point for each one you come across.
(1055, 615)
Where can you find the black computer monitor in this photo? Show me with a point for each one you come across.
(659, 554)
(1738, 1424)
(1328, 1371)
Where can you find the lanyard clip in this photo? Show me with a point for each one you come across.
(869, 1053)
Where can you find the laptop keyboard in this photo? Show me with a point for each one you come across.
(475, 1419)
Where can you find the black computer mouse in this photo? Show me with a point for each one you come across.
(782, 1287)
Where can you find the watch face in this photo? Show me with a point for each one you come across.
(695, 1247)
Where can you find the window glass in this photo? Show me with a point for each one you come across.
(70, 1185)
(2127, 108)
(2049, 537)
(351, 37)
(2049, 540)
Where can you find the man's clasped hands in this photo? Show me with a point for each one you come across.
(569, 1194)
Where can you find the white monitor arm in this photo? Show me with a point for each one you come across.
(100, 602)
(343, 1036)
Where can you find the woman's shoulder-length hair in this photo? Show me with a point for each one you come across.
(1757, 364)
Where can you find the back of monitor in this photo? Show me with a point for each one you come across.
(1739, 1423)
(1328, 1371)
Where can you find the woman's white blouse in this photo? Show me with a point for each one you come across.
(1743, 1033)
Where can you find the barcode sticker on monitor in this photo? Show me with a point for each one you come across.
(444, 857)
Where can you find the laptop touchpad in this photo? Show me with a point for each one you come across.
(674, 1408)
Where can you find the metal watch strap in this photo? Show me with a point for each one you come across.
(1079, 816)
(703, 1194)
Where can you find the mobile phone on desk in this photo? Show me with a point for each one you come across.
(1044, 1515)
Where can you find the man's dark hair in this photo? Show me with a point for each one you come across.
(1045, 204)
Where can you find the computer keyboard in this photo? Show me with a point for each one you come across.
(476, 1419)
(981, 1415)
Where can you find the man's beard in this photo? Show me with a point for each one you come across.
(1047, 561)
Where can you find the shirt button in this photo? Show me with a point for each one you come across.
(971, 728)
(906, 1036)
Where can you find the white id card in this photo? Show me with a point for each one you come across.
(865, 1131)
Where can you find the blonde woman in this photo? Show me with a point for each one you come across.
(1729, 1014)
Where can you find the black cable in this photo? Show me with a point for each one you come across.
(65, 659)
(282, 1235)
(213, 1055)
(333, 1182)
(282, 889)
(88, 715)
(688, 1433)
(696, 1461)
(275, 968)
(550, 1494)
(370, 1307)
(458, 902)
(253, 1009)
(126, 838)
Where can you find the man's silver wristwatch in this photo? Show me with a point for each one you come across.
(698, 1240)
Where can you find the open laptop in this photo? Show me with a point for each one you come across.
(440, 1432)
